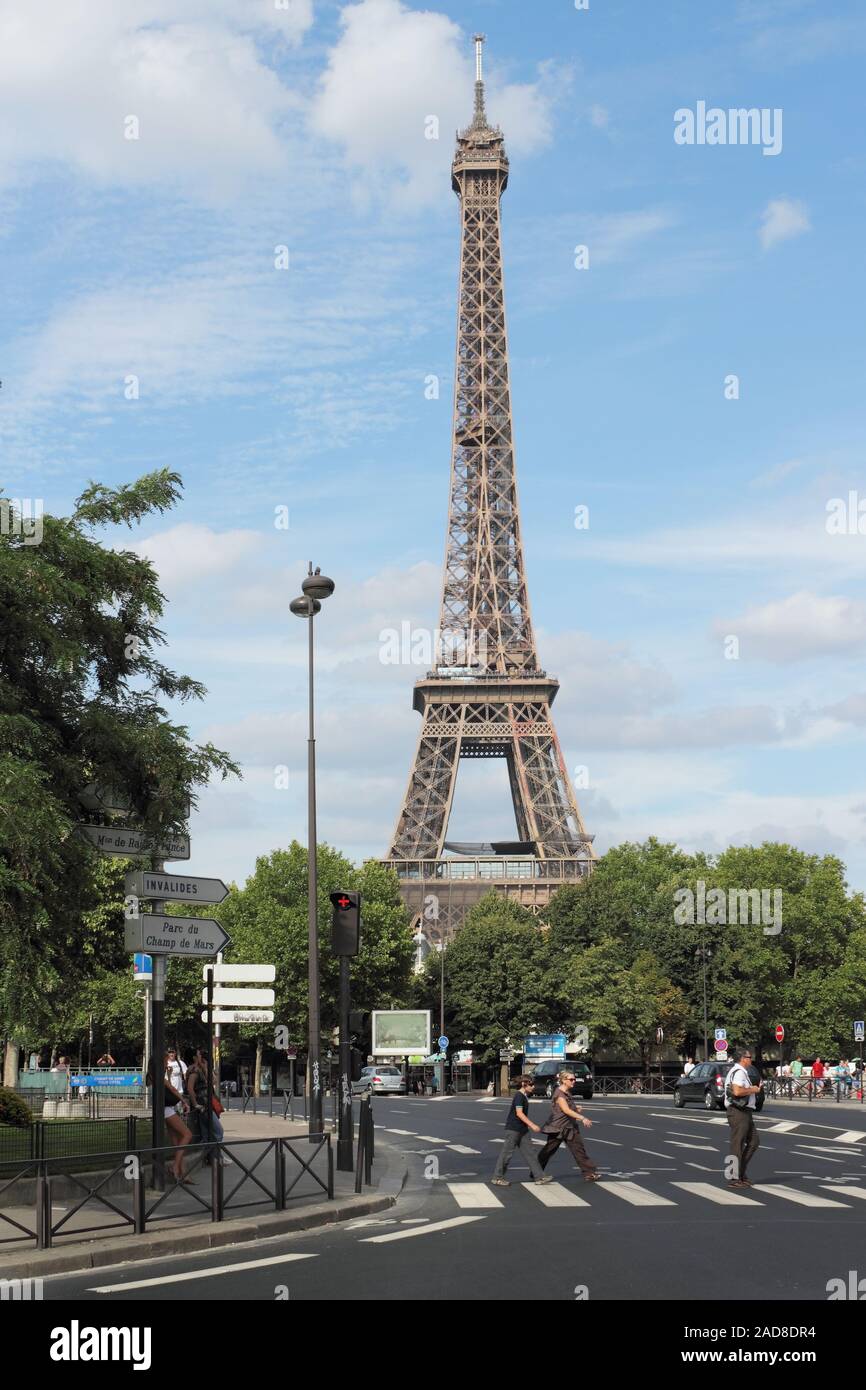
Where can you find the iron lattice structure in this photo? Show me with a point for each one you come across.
(486, 696)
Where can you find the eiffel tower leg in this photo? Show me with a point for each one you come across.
(423, 820)
(544, 802)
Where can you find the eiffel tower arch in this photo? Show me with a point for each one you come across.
(486, 696)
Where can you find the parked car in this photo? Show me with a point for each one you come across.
(705, 1084)
(544, 1078)
(387, 1081)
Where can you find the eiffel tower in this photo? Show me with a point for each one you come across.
(486, 697)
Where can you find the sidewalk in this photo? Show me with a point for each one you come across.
(184, 1224)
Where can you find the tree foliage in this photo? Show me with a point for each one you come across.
(82, 700)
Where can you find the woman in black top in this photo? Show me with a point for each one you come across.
(177, 1131)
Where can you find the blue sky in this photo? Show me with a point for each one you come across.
(303, 127)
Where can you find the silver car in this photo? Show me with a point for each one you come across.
(380, 1081)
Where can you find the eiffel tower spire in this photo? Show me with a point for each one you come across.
(486, 696)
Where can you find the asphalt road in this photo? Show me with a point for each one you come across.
(663, 1224)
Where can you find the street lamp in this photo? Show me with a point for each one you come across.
(316, 587)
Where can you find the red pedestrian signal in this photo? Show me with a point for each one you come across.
(345, 923)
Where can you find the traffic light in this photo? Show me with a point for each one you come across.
(345, 923)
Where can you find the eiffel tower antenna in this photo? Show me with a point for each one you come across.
(486, 696)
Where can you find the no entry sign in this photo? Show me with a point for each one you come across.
(780, 1034)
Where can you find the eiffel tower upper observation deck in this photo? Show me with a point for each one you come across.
(486, 697)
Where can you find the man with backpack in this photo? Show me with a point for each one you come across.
(740, 1108)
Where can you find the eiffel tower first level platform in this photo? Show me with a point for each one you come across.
(487, 696)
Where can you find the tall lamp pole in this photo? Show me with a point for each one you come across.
(316, 587)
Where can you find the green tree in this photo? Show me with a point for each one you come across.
(624, 1003)
(81, 701)
(496, 978)
(267, 921)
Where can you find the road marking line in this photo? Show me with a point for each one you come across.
(848, 1191)
(199, 1273)
(723, 1196)
(635, 1194)
(851, 1136)
(790, 1194)
(619, 1125)
(678, 1144)
(781, 1127)
(496, 1141)
(614, 1143)
(822, 1149)
(462, 1149)
(470, 1120)
(555, 1195)
(473, 1194)
(409, 1133)
(421, 1230)
(430, 1138)
(655, 1153)
(827, 1159)
(702, 1166)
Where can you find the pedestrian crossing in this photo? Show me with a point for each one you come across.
(480, 1195)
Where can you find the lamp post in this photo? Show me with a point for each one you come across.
(316, 587)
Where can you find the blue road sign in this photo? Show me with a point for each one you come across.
(859, 1030)
(442, 1042)
(142, 966)
(544, 1045)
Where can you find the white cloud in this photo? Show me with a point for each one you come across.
(393, 68)
(800, 626)
(782, 219)
(188, 553)
(207, 104)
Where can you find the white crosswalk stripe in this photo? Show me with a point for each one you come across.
(722, 1196)
(851, 1136)
(636, 1195)
(463, 1149)
(790, 1194)
(781, 1127)
(846, 1190)
(554, 1194)
(473, 1194)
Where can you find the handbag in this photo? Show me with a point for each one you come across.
(216, 1105)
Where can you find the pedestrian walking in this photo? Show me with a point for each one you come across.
(740, 1108)
(517, 1129)
(562, 1127)
(177, 1070)
(175, 1108)
(434, 1082)
(210, 1130)
(689, 1067)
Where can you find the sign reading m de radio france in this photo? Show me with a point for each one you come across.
(175, 887)
(124, 842)
(161, 935)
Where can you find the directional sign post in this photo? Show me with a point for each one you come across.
(239, 1015)
(144, 883)
(240, 998)
(240, 974)
(125, 842)
(161, 935)
(859, 1030)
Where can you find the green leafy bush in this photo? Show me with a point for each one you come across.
(13, 1111)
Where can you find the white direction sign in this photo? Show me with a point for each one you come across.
(241, 998)
(175, 887)
(240, 1016)
(236, 974)
(125, 842)
(161, 935)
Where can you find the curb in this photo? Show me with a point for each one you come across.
(120, 1250)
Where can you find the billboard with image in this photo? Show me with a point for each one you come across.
(400, 1032)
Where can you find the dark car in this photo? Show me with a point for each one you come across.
(706, 1085)
(544, 1078)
